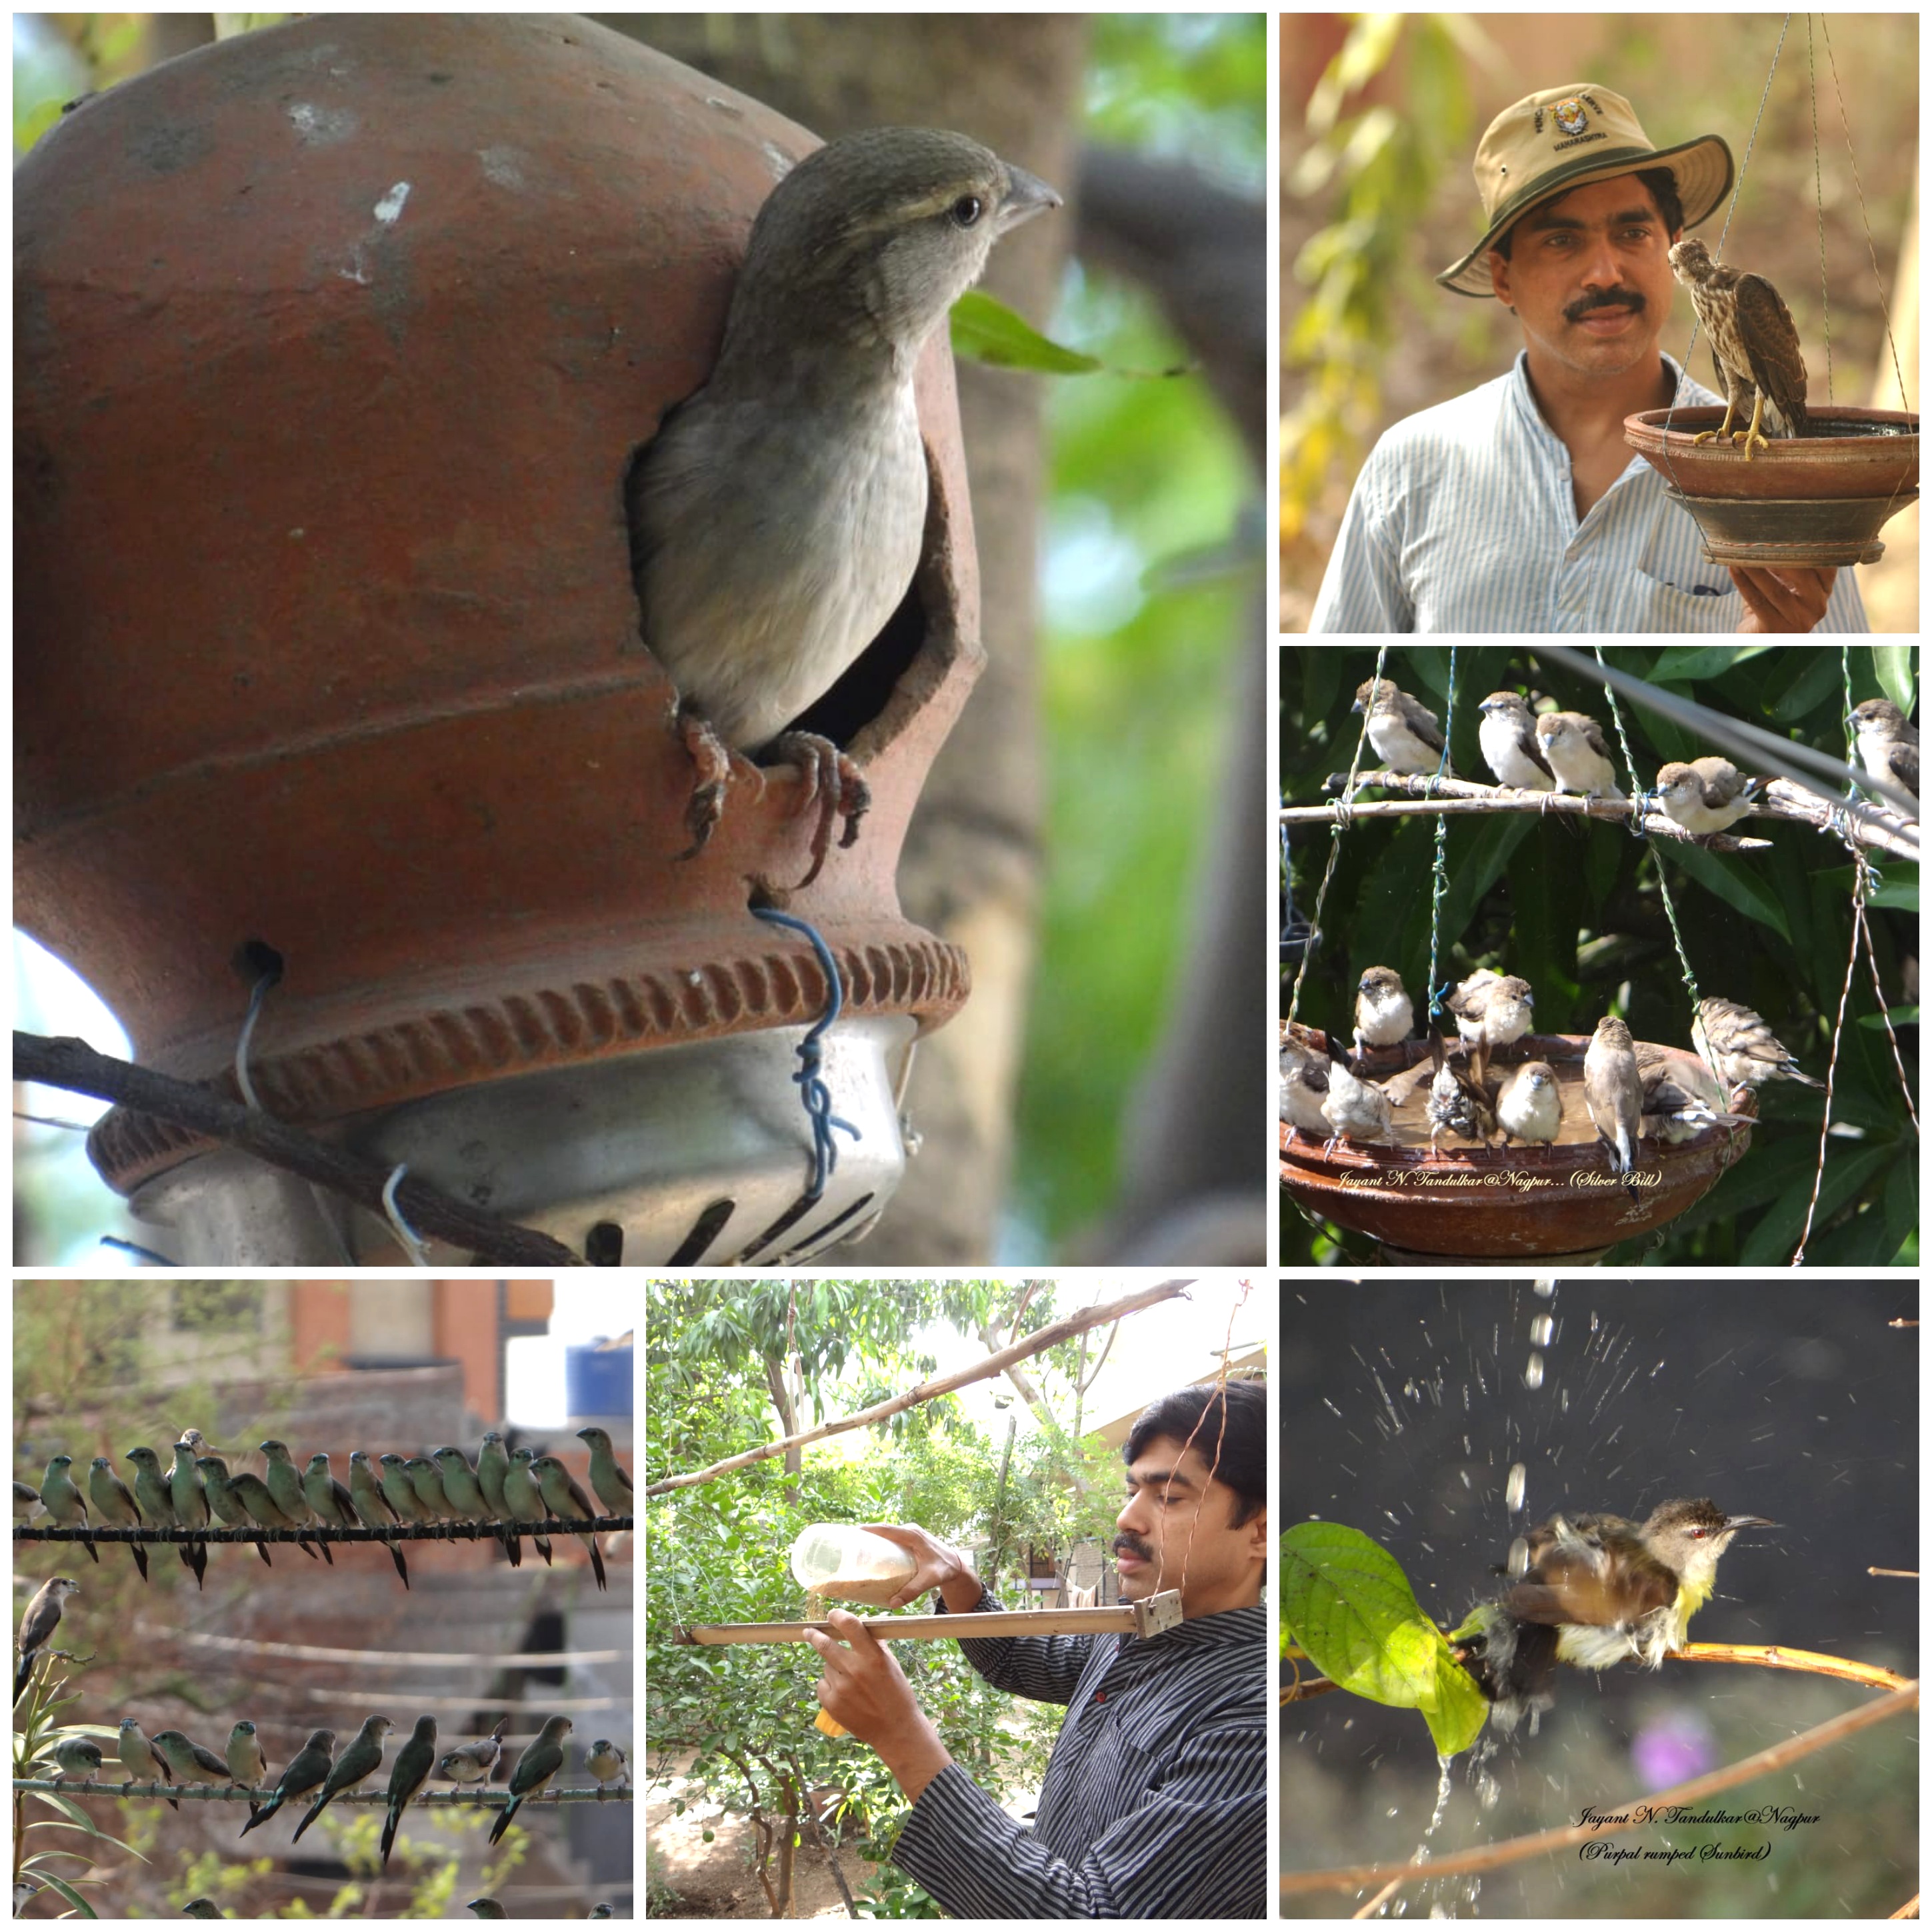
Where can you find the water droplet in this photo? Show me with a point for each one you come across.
(1532, 1376)
(1518, 1478)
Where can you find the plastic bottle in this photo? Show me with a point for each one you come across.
(849, 1565)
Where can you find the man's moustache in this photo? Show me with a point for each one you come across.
(1132, 1545)
(1590, 304)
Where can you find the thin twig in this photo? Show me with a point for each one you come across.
(414, 1532)
(1627, 1817)
(1054, 1334)
(240, 1794)
(73, 1065)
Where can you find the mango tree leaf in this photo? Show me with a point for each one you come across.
(1728, 876)
(1893, 662)
(985, 330)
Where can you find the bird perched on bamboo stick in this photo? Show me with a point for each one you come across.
(1707, 795)
(1405, 735)
(1507, 736)
(777, 517)
(1754, 343)
(1888, 742)
(1573, 742)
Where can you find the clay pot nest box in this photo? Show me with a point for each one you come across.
(1466, 1204)
(334, 343)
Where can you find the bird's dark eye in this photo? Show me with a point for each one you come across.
(966, 210)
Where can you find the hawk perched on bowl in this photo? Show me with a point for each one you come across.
(1754, 341)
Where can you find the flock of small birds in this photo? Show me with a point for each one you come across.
(319, 1772)
(1564, 752)
(503, 1487)
(1633, 1091)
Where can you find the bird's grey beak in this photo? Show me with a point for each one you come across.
(1749, 1523)
(1026, 196)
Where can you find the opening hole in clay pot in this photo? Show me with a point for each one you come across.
(860, 695)
(704, 1231)
(255, 960)
(604, 1246)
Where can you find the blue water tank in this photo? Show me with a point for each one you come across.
(598, 1382)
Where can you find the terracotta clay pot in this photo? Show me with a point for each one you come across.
(1469, 1203)
(334, 343)
(1820, 499)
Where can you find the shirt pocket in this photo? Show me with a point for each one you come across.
(1700, 607)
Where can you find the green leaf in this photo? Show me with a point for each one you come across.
(72, 1897)
(1893, 664)
(1729, 877)
(1681, 663)
(1846, 1167)
(1351, 1609)
(1900, 1016)
(985, 330)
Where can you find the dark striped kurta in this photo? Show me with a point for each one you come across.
(1155, 1800)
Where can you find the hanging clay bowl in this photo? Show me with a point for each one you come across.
(1464, 1202)
(1819, 499)
(335, 343)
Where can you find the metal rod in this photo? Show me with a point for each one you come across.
(978, 1623)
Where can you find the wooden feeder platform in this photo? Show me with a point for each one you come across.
(1818, 500)
(1465, 1202)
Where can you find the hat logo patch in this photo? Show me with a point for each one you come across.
(1570, 119)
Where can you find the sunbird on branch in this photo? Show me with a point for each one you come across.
(1596, 1589)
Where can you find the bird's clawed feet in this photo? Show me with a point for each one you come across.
(834, 785)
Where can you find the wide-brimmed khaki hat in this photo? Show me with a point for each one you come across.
(1565, 137)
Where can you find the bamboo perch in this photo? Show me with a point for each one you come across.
(1055, 1333)
(1147, 1619)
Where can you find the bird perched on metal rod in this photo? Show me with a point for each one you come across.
(1754, 343)
(407, 1776)
(116, 1504)
(300, 1776)
(471, 1764)
(777, 516)
(608, 1477)
(362, 1758)
(64, 1503)
(542, 1759)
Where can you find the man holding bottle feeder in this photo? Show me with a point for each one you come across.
(1155, 1802)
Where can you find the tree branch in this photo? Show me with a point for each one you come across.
(1055, 1333)
(74, 1065)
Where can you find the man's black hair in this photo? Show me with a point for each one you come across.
(1232, 1438)
(1662, 185)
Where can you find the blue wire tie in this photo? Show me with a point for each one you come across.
(810, 1079)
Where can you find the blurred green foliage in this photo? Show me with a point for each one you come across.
(1150, 577)
(1582, 919)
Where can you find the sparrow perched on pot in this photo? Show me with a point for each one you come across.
(1304, 1086)
(1507, 736)
(1528, 1105)
(1492, 1009)
(1573, 745)
(1888, 742)
(1613, 1091)
(1741, 1046)
(1455, 1101)
(776, 518)
(1405, 735)
(1383, 1014)
(1355, 1110)
(1707, 795)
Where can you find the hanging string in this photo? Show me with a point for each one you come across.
(1439, 883)
(1818, 196)
(1341, 809)
(1737, 190)
(1640, 803)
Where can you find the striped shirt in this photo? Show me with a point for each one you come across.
(1463, 519)
(1156, 1799)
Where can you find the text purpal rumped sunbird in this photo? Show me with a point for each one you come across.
(1595, 1590)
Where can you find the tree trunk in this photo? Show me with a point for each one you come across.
(971, 867)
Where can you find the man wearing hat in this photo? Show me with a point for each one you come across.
(1519, 506)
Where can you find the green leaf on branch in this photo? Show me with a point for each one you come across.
(1351, 1609)
(985, 330)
